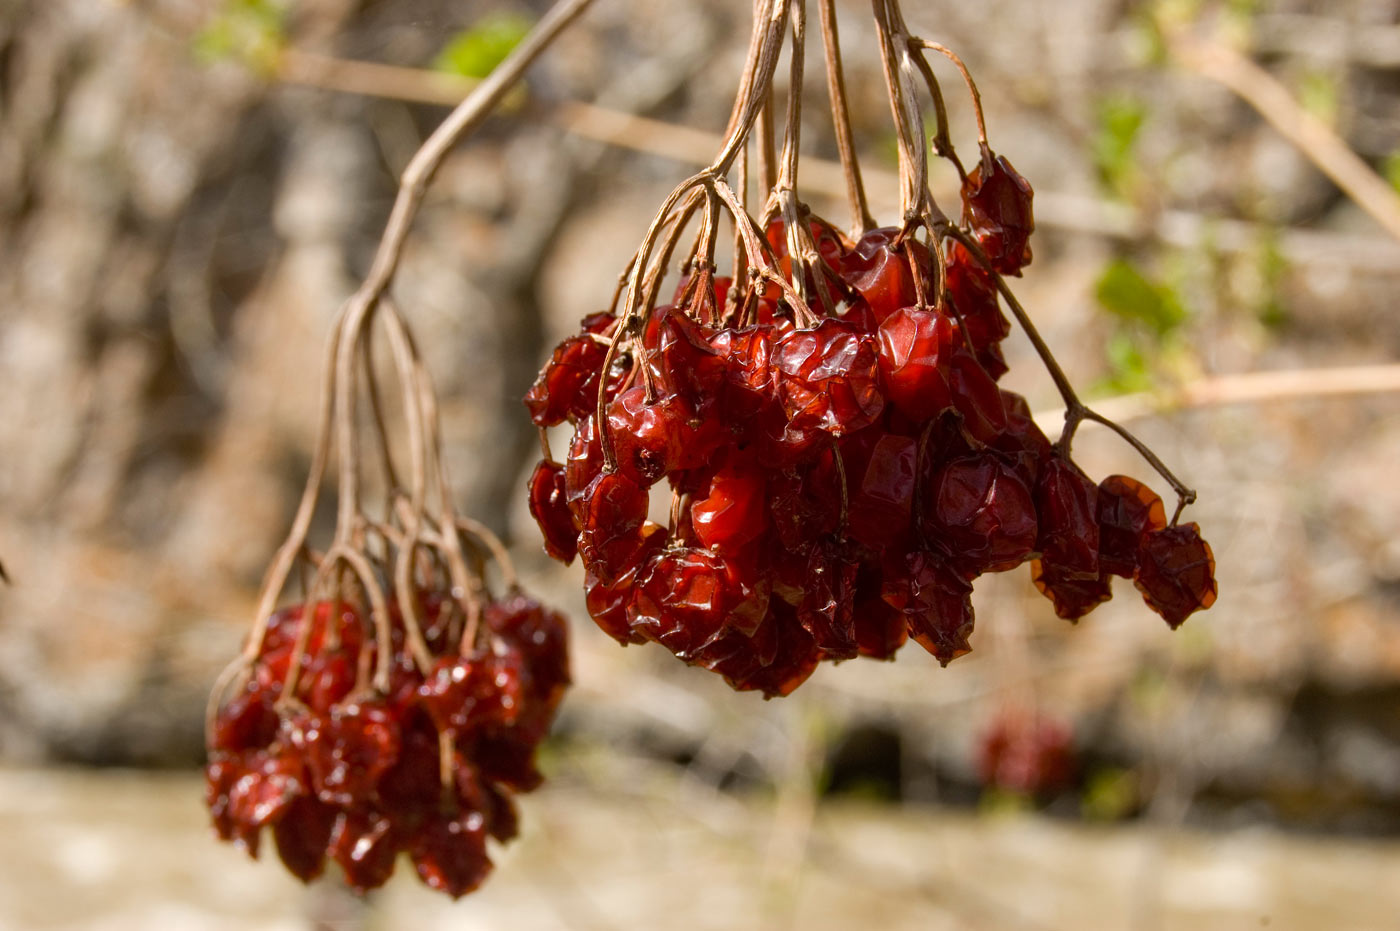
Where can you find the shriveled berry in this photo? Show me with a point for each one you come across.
(915, 349)
(881, 274)
(972, 302)
(733, 512)
(827, 607)
(450, 853)
(583, 464)
(688, 598)
(1176, 572)
(347, 750)
(302, 835)
(998, 206)
(246, 722)
(464, 694)
(682, 359)
(365, 845)
(615, 508)
(981, 514)
(749, 385)
(1072, 595)
(608, 596)
(1066, 504)
(804, 502)
(828, 377)
(567, 386)
(881, 473)
(935, 601)
(1127, 511)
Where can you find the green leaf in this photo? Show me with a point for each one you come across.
(476, 51)
(1128, 294)
(1120, 120)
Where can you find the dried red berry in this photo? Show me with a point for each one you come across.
(935, 601)
(998, 206)
(981, 514)
(550, 509)
(915, 349)
(828, 377)
(1127, 511)
(567, 386)
(688, 598)
(1066, 504)
(1072, 595)
(733, 513)
(1176, 572)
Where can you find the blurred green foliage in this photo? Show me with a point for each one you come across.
(1127, 293)
(1271, 266)
(1110, 794)
(1148, 313)
(252, 31)
(1120, 121)
(476, 51)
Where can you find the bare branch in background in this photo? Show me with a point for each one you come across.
(1247, 388)
(1072, 212)
(1314, 138)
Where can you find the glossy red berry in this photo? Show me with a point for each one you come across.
(828, 378)
(549, 507)
(916, 347)
(688, 598)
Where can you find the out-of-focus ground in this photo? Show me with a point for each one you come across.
(176, 235)
(127, 850)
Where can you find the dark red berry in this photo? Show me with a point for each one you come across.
(1176, 572)
(915, 350)
(981, 514)
(1066, 504)
(1072, 594)
(998, 207)
(1127, 511)
(935, 602)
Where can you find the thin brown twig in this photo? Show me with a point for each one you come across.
(1314, 138)
(1075, 213)
(861, 219)
(1250, 388)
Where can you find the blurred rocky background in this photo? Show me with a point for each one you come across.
(189, 189)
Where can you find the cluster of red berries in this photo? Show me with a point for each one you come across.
(838, 480)
(340, 769)
(1026, 754)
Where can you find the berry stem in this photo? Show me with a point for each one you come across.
(861, 220)
(917, 43)
(1076, 411)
